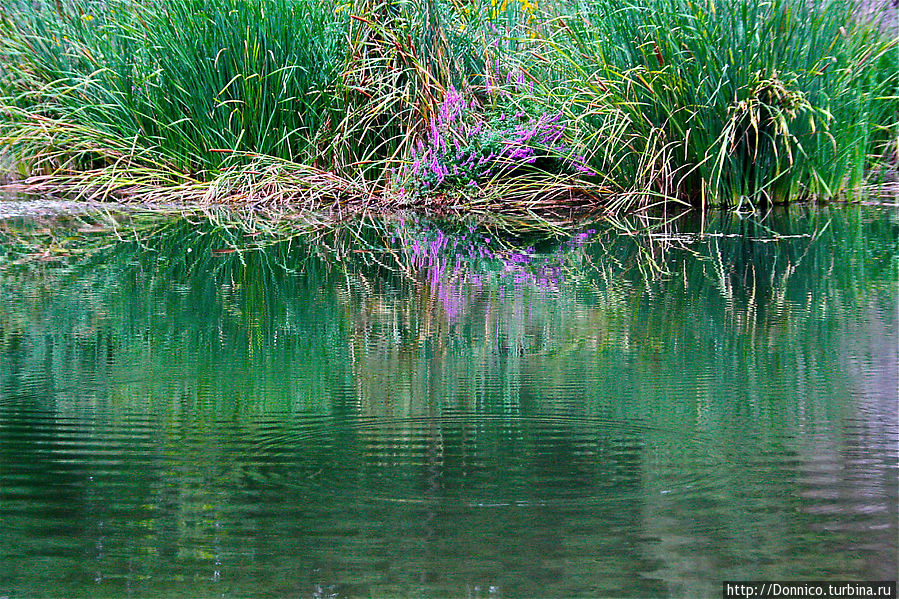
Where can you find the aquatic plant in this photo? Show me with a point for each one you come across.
(743, 101)
(192, 81)
(487, 105)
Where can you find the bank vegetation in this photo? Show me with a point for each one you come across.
(458, 105)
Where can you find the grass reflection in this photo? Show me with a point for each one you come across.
(587, 409)
(389, 296)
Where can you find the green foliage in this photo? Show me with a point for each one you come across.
(193, 80)
(199, 86)
(741, 100)
(737, 102)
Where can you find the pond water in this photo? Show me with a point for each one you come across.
(400, 407)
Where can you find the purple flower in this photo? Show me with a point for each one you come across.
(435, 135)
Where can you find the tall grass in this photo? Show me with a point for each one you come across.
(192, 80)
(736, 101)
(222, 91)
(329, 102)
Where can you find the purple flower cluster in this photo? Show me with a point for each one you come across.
(466, 146)
(448, 130)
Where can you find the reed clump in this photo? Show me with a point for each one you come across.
(743, 101)
(509, 106)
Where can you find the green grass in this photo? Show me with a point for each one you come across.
(191, 81)
(735, 101)
(322, 104)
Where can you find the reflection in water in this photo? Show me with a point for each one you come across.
(407, 407)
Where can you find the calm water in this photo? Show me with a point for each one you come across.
(403, 408)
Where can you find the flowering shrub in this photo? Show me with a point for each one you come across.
(466, 145)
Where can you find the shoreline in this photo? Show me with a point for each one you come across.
(594, 112)
(39, 202)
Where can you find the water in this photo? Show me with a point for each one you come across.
(404, 408)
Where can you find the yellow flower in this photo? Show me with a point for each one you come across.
(88, 18)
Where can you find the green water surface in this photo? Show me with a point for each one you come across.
(399, 407)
